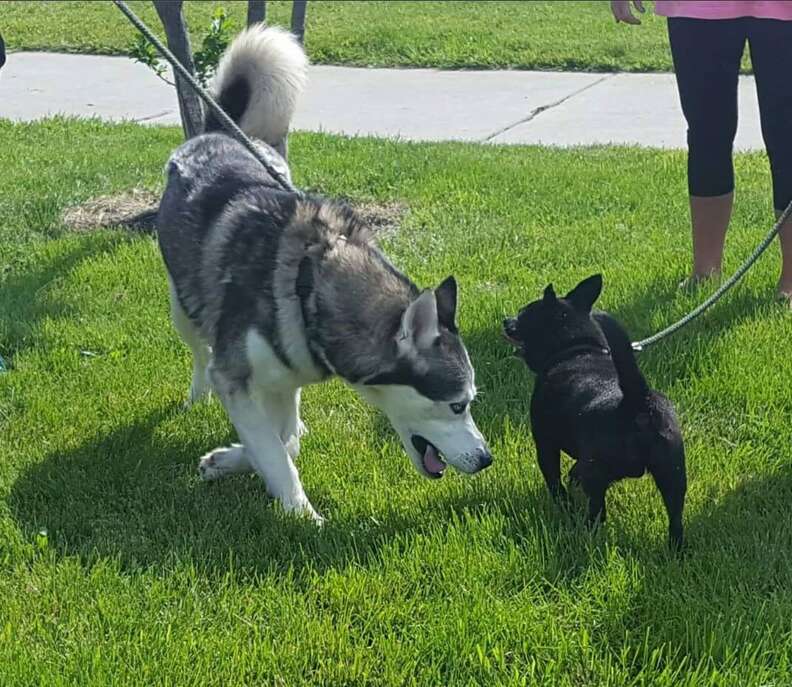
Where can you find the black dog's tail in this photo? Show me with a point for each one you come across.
(631, 380)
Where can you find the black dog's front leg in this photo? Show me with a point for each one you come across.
(597, 509)
(594, 481)
(549, 457)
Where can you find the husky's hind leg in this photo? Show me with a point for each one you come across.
(231, 460)
(199, 386)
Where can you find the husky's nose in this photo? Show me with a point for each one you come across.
(484, 458)
(508, 325)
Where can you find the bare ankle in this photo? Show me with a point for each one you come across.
(703, 274)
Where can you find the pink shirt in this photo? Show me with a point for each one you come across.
(725, 9)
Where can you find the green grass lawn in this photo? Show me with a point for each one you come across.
(118, 566)
(552, 34)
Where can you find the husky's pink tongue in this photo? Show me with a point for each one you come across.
(432, 461)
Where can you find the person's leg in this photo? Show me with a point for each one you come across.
(709, 217)
(707, 56)
(771, 55)
(785, 280)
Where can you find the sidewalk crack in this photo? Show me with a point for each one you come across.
(148, 118)
(543, 108)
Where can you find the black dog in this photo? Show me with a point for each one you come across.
(592, 402)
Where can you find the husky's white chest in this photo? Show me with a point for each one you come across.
(269, 372)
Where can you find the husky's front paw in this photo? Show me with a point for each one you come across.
(303, 508)
(317, 519)
(209, 465)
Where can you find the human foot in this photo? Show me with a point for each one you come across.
(694, 281)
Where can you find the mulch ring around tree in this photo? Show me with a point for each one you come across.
(136, 210)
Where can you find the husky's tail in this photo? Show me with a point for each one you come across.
(257, 83)
(631, 380)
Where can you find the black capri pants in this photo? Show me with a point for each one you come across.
(707, 54)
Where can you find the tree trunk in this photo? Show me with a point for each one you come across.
(257, 11)
(298, 19)
(190, 107)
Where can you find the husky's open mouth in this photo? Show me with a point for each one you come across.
(433, 464)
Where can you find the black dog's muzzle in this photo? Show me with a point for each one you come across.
(510, 330)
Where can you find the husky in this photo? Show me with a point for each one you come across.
(272, 290)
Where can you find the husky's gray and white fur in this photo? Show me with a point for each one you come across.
(273, 291)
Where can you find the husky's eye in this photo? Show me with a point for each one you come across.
(458, 408)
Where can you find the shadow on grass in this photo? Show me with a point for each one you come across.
(26, 298)
(132, 494)
(735, 583)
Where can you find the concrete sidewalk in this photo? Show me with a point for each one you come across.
(550, 108)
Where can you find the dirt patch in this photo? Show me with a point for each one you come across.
(384, 218)
(135, 210)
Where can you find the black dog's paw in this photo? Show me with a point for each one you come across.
(596, 513)
(676, 542)
(562, 498)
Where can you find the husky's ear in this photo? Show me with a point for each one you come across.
(549, 295)
(446, 297)
(584, 295)
(419, 323)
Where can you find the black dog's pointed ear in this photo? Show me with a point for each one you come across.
(446, 296)
(585, 294)
(549, 295)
